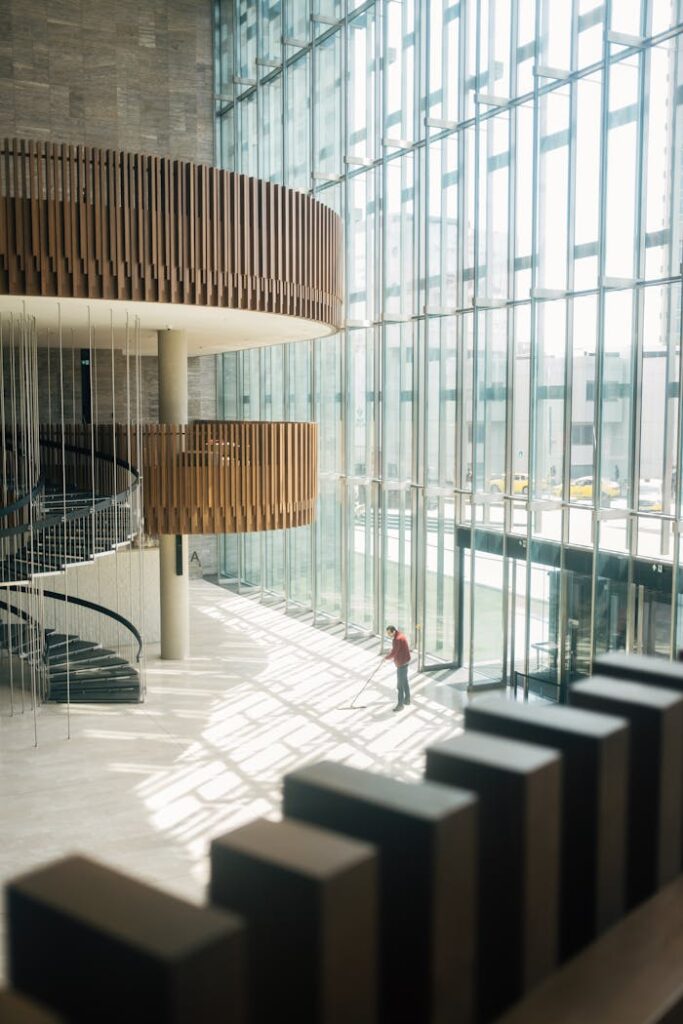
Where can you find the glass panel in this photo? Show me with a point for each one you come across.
(590, 31)
(399, 355)
(274, 562)
(399, 121)
(556, 34)
(587, 195)
(270, 29)
(553, 172)
(361, 561)
(442, 225)
(328, 527)
(663, 162)
(327, 106)
(361, 88)
(271, 127)
(443, 65)
(299, 565)
(297, 114)
(440, 593)
(361, 408)
(494, 168)
(246, 39)
(247, 134)
(396, 526)
(484, 588)
(440, 399)
(297, 19)
(658, 422)
(362, 246)
(622, 168)
(399, 255)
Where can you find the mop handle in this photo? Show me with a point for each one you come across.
(372, 674)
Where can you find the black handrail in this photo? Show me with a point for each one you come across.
(98, 504)
(105, 456)
(81, 602)
(19, 612)
(20, 502)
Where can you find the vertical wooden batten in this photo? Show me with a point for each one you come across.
(80, 222)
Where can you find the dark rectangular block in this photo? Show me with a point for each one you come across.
(519, 790)
(655, 779)
(310, 902)
(426, 836)
(640, 668)
(631, 975)
(93, 944)
(594, 800)
(17, 1009)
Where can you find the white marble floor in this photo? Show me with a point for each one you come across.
(145, 788)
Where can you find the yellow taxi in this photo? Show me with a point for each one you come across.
(650, 496)
(520, 484)
(581, 489)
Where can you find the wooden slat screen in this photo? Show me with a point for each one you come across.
(229, 477)
(81, 222)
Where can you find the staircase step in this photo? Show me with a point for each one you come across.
(74, 647)
(91, 654)
(60, 638)
(124, 671)
(96, 692)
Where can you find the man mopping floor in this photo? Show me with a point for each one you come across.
(400, 655)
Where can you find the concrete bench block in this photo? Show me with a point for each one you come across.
(655, 779)
(95, 945)
(519, 790)
(595, 749)
(640, 668)
(17, 1009)
(426, 837)
(309, 899)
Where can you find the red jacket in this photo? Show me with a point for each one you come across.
(400, 651)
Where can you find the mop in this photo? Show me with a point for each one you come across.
(357, 707)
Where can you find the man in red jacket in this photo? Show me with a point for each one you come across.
(400, 655)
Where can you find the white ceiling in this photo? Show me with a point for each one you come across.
(209, 330)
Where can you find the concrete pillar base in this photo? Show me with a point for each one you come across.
(175, 598)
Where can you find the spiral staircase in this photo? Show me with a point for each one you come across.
(57, 525)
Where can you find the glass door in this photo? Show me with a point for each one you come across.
(651, 620)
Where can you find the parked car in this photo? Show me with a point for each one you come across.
(520, 484)
(581, 489)
(650, 496)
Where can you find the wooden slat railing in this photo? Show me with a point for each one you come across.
(229, 477)
(81, 222)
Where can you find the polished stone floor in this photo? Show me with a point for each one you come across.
(145, 788)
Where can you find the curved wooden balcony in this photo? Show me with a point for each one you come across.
(78, 222)
(229, 477)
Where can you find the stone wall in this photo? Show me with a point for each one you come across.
(65, 375)
(121, 74)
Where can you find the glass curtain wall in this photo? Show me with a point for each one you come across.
(501, 417)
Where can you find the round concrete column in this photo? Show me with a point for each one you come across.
(173, 551)
(172, 349)
(174, 569)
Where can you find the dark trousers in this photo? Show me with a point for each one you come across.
(402, 684)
